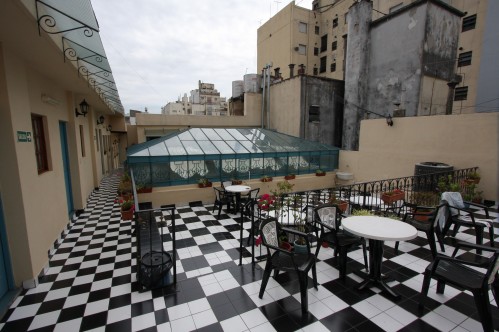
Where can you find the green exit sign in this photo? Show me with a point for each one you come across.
(23, 136)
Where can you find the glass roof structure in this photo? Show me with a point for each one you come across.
(226, 153)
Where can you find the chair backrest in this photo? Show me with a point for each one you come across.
(269, 232)
(328, 215)
(254, 193)
(494, 270)
(225, 184)
(219, 193)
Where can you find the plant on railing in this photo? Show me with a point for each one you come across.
(390, 197)
(204, 182)
(266, 178)
(342, 204)
(320, 172)
(127, 208)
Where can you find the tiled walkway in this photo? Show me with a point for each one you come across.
(90, 285)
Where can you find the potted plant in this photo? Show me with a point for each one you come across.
(320, 172)
(127, 208)
(266, 178)
(342, 204)
(290, 176)
(424, 203)
(236, 181)
(390, 197)
(125, 187)
(473, 177)
(204, 183)
(142, 189)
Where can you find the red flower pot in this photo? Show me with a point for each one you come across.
(127, 215)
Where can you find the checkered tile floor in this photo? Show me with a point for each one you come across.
(91, 284)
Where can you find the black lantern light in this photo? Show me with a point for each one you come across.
(83, 109)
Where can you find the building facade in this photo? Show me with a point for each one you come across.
(61, 130)
(318, 38)
(205, 100)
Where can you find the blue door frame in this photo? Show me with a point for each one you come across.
(67, 172)
(6, 280)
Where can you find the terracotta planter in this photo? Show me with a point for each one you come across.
(144, 190)
(269, 179)
(127, 215)
(392, 197)
(205, 185)
(320, 174)
(422, 215)
(236, 182)
(343, 205)
(289, 177)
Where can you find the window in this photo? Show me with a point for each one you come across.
(464, 59)
(314, 113)
(335, 22)
(315, 71)
(469, 23)
(302, 49)
(323, 64)
(334, 45)
(333, 67)
(82, 140)
(302, 27)
(324, 43)
(461, 93)
(316, 51)
(39, 141)
(316, 29)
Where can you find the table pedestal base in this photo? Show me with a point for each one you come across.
(375, 278)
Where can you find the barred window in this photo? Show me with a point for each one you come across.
(334, 45)
(324, 43)
(316, 51)
(335, 22)
(461, 93)
(469, 23)
(323, 64)
(316, 29)
(464, 59)
(333, 67)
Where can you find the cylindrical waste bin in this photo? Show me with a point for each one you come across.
(427, 175)
(154, 269)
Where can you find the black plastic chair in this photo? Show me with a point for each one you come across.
(426, 219)
(279, 259)
(221, 199)
(328, 220)
(464, 275)
(461, 214)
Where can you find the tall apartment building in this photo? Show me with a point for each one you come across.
(317, 39)
(205, 100)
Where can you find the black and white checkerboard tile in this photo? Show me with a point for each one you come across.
(91, 284)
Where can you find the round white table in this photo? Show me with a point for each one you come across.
(377, 230)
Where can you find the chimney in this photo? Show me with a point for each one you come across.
(277, 72)
(291, 70)
(301, 71)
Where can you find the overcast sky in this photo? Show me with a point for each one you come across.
(160, 49)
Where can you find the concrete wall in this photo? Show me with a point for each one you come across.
(462, 141)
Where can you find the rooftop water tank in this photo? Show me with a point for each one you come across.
(237, 88)
(252, 83)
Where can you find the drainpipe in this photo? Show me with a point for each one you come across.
(268, 95)
(263, 94)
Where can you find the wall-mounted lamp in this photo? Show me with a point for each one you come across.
(83, 109)
(389, 120)
(109, 127)
(100, 120)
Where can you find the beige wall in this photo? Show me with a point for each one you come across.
(35, 205)
(182, 195)
(462, 141)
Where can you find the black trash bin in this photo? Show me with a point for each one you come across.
(154, 269)
(427, 175)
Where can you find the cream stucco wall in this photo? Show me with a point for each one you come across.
(462, 141)
(285, 103)
(182, 195)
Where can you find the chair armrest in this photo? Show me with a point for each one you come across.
(481, 206)
(476, 246)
